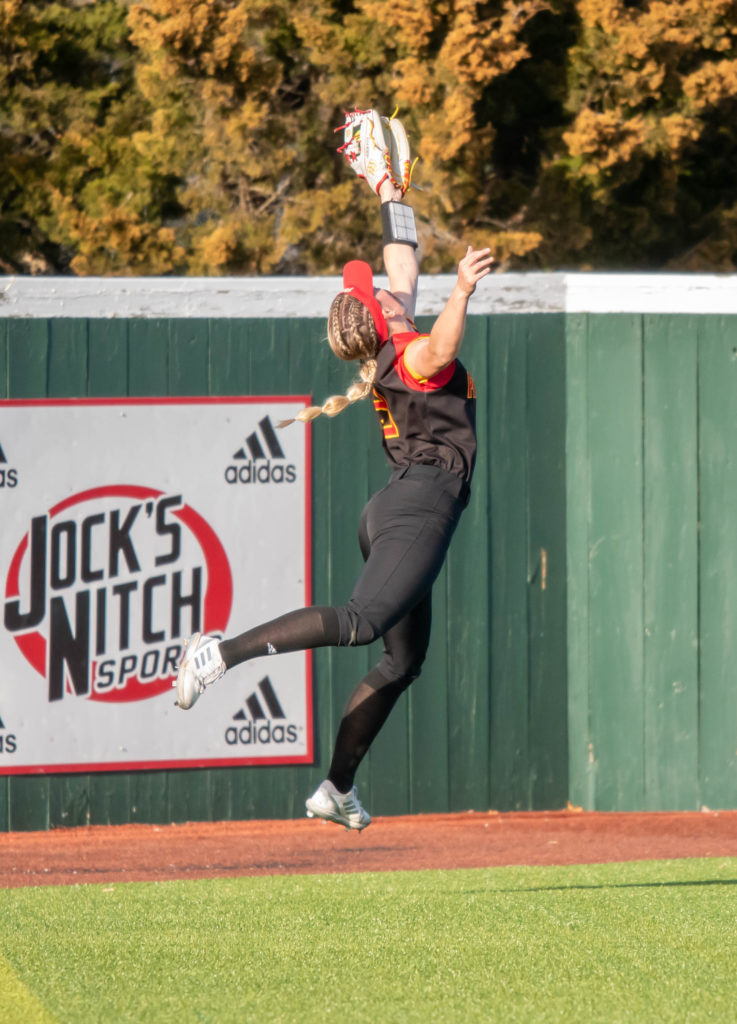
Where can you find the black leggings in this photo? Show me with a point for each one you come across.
(404, 534)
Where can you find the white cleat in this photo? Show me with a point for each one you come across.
(343, 808)
(201, 665)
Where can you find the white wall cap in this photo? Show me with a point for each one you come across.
(249, 297)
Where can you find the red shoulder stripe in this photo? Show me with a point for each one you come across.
(408, 378)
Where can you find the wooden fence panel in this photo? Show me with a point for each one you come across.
(546, 564)
(507, 448)
(718, 559)
(582, 647)
(671, 668)
(581, 763)
(469, 609)
(615, 545)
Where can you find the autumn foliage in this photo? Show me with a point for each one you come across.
(196, 136)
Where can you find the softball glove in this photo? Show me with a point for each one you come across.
(377, 149)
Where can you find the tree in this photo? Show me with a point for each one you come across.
(73, 192)
(652, 145)
(196, 136)
(244, 97)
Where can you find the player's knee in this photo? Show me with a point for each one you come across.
(355, 629)
(402, 668)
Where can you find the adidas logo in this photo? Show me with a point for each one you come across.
(254, 445)
(255, 464)
(254, 704)
(267, 722)
(8, 477)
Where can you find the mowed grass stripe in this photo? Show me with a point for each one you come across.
(603, 943)
(18, 1005)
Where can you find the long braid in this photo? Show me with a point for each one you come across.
(352, 335)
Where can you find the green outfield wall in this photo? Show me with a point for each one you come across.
(583, 646)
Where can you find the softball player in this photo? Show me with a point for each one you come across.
(425, 401)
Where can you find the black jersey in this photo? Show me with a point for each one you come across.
(431, 421)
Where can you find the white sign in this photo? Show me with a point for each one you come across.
(128, 525)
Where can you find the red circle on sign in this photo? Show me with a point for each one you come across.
(216, 605)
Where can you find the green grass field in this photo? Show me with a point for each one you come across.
(648, 941)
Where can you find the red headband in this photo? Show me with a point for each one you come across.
(358, 280)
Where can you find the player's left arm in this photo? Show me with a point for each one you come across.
(400, 260)
(430, 354)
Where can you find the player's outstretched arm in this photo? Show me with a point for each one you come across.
(400, 259)
(429, 355)
(377, 149)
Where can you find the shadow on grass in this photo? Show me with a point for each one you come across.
(612, 885)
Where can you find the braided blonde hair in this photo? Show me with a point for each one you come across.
(352, 335)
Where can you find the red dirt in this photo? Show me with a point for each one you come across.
(147, 853)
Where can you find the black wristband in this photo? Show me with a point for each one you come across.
(398, 224)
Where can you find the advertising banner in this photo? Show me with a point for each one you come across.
(129, 525)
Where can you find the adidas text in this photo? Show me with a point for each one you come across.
(8, 477)
(252, 734)
(265, 473)
(8, 743)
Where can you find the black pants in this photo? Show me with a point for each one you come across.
(404, 533)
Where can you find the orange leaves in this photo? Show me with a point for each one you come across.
(253, 90)
(114, 241)
(635, 74)
(216, 154)
(442, 88)
(406, 25)
(711, 84)
(196, 37)
(8, 10)
(512, 245)
(682, 22)
(653, 97)
(195, 136)
(413, 83)
(478, 50)
(604, 139)
(179, 24)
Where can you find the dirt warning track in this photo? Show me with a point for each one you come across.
(147, 853)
